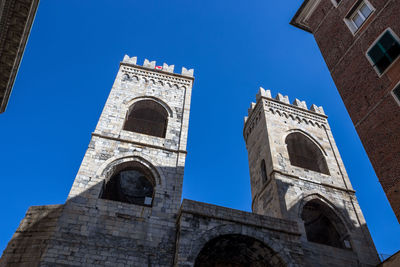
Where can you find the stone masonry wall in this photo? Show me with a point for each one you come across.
(32, 237)
(294, 186)
(200, 222)
(93, 231)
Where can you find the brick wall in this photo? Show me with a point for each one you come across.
(365, 94)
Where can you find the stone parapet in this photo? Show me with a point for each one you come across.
(238, 216)
(280, 105)
(151, 65)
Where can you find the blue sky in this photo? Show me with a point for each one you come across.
(71, 61)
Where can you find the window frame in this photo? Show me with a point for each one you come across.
(396, 37)
(336, 3)
(354, 10)
(396, 98)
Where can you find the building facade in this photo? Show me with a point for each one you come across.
(16, 18)
(359, 40)
(125, 209)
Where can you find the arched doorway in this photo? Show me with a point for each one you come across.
(235, 250)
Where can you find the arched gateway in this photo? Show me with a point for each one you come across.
(235, 250)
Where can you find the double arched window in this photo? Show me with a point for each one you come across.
(147, 117)
(305, 153)
(132, 184)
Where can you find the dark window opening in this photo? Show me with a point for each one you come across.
(305, 154)
(147, 117)
(131, 185)
(384, 52)
(323, 226)
(236, 250)
(263, 171)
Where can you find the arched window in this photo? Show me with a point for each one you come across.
(237, 250)
(147, 117)
(305, 153)
(132, 184)
(323, 226)
(263, 169)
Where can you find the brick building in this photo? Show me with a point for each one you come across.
(125, 209)
(16, 18)
(359, 40)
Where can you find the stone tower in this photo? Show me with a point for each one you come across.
(297, 174)
(124, 208)
(123, 204)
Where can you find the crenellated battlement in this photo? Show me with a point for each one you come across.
(285, 99)
(262, 93)
(280, 105)
(152, 66)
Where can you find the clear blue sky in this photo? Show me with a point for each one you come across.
(71, 61)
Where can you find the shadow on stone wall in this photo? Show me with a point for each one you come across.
(32, 237)
(330, 232)
(88, 230)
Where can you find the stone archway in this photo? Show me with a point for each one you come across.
(236, 250)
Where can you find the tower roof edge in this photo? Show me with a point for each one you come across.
(151, 65)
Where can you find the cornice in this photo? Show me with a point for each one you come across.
(297, 111)
(303, 14)
(143, 144)
(165, 77)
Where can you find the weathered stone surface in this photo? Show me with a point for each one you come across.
(201, 223)
(32, 236)
(313, 173)
(97, 228)
(393, 261)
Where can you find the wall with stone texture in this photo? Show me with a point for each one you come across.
(111, 232)
(289, 187)
(93, 231)
(200, 223)
(393, 261)
(90, 231)
(32, 237)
